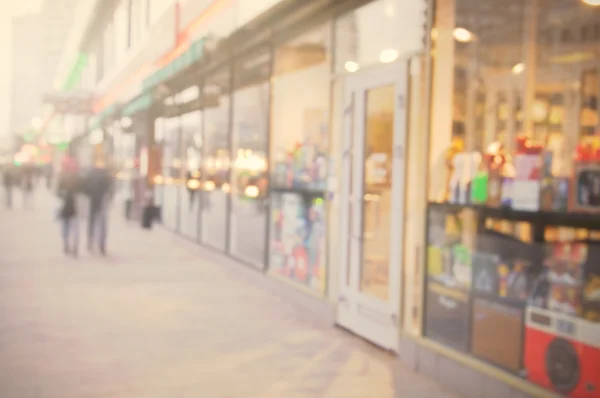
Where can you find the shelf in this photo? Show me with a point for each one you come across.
(567, 219)
(314, 193)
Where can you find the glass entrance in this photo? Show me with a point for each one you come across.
(373, 192)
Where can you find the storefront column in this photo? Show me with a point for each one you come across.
(443, 87)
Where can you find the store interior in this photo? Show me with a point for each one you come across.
(514, 188)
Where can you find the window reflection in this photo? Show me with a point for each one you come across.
(189, 197)
(377, 199)
(249, 179)
(216, 162)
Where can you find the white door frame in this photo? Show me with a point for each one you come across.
(369, 317)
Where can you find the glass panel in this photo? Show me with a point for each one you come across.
(369, 35)
(299, 157)
(189, 195)
(249, 171)
(377, 199)
(171, 172)
(216, 160)
(349, 118)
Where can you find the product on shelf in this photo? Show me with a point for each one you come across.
(562, 346)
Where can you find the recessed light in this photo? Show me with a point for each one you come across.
(463, 35)
(518, 68)
(351, 66)
(388, 55)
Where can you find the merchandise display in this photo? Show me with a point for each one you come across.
(297, 246)
(513, 249)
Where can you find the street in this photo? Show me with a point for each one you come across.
(154, 319)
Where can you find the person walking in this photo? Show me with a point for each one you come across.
(27, 186)
(68, 190)
(9, 182)
(99, 187)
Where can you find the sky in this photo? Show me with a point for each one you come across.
(8, 10)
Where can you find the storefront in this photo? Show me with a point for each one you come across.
(512, 240)
(256, 170)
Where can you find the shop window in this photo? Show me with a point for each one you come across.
(514, 189)
(171, 171)
(216, 159)
(369, 35)
(189, 197)
(299, 157)
(249, 178)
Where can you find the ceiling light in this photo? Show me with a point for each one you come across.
(463, 35)
(351, 66)
(593, 3)
(388, 55)
(518, 68)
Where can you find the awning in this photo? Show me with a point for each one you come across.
(138, 104)
(98, 119)
(191, 55)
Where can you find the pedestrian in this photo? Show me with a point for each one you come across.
(8, 181)
(68, 190)
(99, 186)
(27, 186)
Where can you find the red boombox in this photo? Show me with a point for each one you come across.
(562, 353)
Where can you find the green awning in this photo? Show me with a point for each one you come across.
(76, 72)
(139, 104)
(190, 56)
(97, 120)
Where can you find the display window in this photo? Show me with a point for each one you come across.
(216, 159)
(189, 189)
(299, 157)
(249, 171)
(171, 172)
(513, 211)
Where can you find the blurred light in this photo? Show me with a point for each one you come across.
(388, 55)
(196, 174)
(463, 35)
(193, 184)
(126, 122)
(96, 137)
(251, 191)
(593, 3)
(225, 188)
(351, 66)
(37, 123)
(209, 186)
(158, 179)
(518, 68)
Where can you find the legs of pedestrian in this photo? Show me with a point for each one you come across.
(101, 225)
(91, 232)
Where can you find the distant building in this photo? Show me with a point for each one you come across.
(27, 64)
(38, 42)
(56, 24)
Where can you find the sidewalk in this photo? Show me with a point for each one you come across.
(155, 320)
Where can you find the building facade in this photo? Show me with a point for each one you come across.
(422, 173)
(25, 82)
